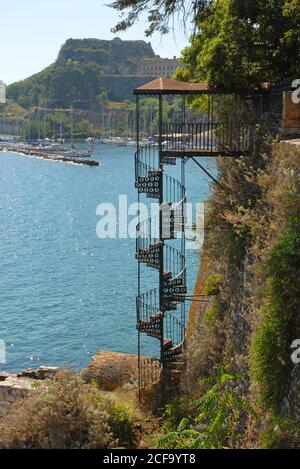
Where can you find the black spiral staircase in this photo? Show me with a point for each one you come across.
(161, 310)
(188, 137)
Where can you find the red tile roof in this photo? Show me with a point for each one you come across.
(164, 85)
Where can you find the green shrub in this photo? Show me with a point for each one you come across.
(213, 284)
(175, 412)
(68, 413)
(281, 433)
(268, 357)
(212, 315)
(218, 415)
(270, 349)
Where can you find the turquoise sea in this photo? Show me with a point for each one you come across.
(64, 293)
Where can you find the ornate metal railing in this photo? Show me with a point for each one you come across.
(147, 233)
(174, 333)
(147, 304)
(149, 372)
(174, 261)
(207, 137)
(146, 159)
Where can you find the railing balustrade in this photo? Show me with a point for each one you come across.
(207, 137)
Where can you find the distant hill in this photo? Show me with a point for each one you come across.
(83, 70)
(114, 57)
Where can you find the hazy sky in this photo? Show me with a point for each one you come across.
(32, 31)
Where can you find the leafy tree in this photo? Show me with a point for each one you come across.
(84, 128)
(160, 12)
(242, 44)
(236, 43)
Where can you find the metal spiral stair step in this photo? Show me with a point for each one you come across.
(167, 275)
(151, 247)
(172, 351)
(151, 320)
(174, 290)
(150, 184)
(150, 255)
(167, 344)
(151, 326)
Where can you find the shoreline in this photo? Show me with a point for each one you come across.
(47, 156)
(109, 370)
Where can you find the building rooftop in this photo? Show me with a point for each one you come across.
(164, 85)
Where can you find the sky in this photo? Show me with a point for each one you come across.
(32, 32)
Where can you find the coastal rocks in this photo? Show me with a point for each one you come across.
(17, 386)
(109, 369)
(112, 369)
(43, 372)
(12, 388)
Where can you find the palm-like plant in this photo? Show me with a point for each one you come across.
(219, 415)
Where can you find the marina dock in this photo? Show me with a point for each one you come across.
(37, 152)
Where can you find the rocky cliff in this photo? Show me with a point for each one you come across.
(84, 68)
(250, 269)
(114, 57)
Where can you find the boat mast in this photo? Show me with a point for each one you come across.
(29, 128)
(60, 128)
(38, 119)
(45, 119)
(72, 132)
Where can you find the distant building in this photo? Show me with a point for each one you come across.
(2, 92)
(158, 66)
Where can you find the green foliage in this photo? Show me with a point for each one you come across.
(268, 357)
(68, 413)
(211, 316)
(123, 426)
(218, 415)
(270, 349)
(84, 128)
(281, 433)
(159, 12)
(241, 44)
(213, 284)
(12, 110)
(35, 128)
(30, 91)
(174, 412)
